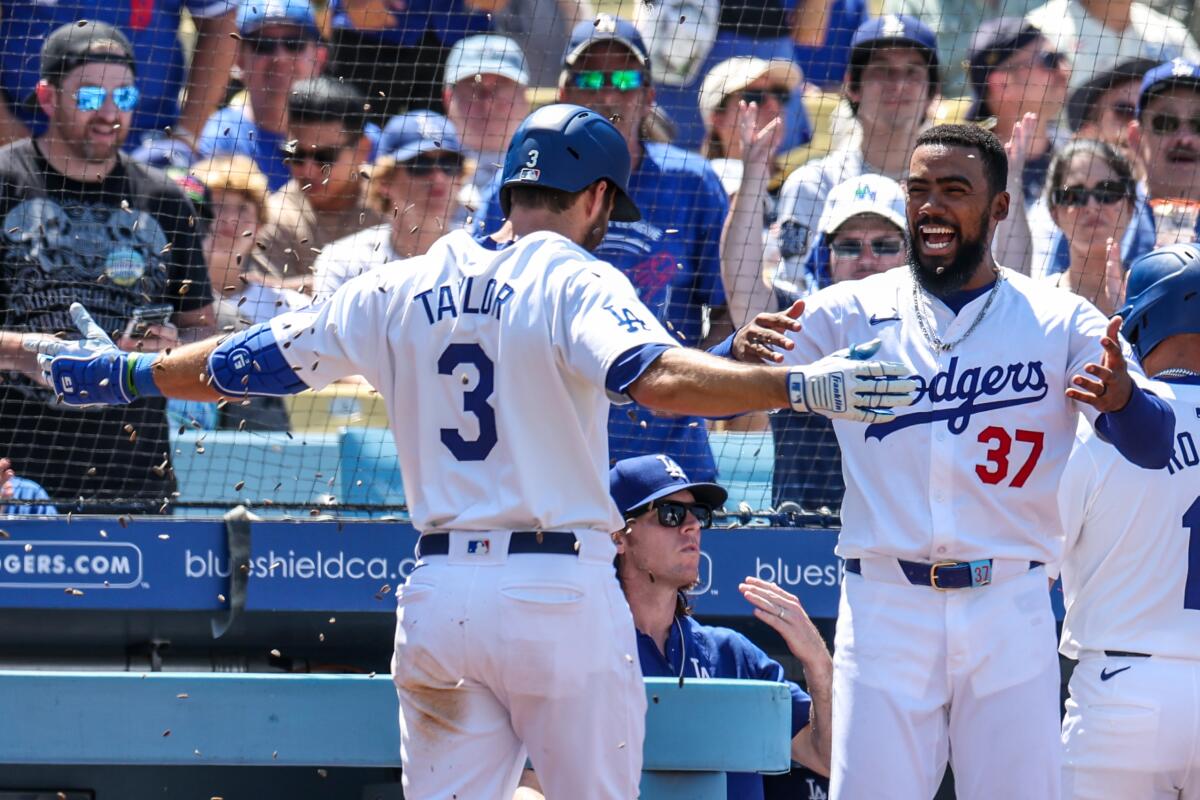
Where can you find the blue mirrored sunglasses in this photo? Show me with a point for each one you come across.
(91, 98)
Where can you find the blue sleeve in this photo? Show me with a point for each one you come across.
(489, 215)
(764, 668)
(630, 365)
(1143, 431)
(724, 348)
(250, 362)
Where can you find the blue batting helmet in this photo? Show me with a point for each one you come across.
(568, 147)
(1162, 297)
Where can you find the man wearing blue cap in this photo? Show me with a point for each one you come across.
(672, 253)
(279, 45)
(658, 561)
(891, 85)
(153, 31)
(414, 187)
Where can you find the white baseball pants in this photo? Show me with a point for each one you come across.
(1136, 734)
(922, 677)
(501, 656)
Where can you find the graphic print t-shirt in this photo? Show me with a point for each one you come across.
(118, 244)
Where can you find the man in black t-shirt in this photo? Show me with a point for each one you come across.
(82, 222)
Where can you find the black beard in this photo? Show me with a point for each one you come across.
(953, 276)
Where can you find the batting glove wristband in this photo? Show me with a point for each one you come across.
(845, 385)
(93, 370)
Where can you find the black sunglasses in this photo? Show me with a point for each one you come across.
(1125, 111)
(672, 514)
(854, 248)
(1165, 124)
(423, 166)
(1106, 193)
(321, 155)
(269, 45)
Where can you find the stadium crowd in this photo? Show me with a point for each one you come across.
(292, 147)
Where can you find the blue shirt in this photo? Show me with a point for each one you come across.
(152, 27)
(672, 257)
(232, 130)
(702, 651)
(449, 20)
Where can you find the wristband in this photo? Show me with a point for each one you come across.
(140, 373)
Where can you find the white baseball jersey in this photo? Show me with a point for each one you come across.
(1131, 573)
(971, 469)
(350, 257)
(493, 365)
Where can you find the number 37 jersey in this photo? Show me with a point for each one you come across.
(493, 366)
(1131, 575)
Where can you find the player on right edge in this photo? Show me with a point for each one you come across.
(1131, 575)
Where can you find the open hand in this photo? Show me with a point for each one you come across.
(762, 339)
(1111, 386)
(845, 385)
(782, 610)
(87, 371)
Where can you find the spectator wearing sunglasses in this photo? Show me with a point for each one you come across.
(279, 46)
(1103, 107)
(658, 561)
(86, 222)
(326, 198)
(890, 86)
(1099, 35)
(743, 101)
(672, 254)
(485, 82)
(1166, 135)
(152, 28)
(1092, 197)
(414, 187)
(861, 232)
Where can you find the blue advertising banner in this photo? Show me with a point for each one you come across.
(162, 564)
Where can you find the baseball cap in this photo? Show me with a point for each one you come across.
(254, 14)
(893, 30)
(735, 74)
(1167, 76)
(487, 54)
(409, 135)
(866, 194)
(78, 43)
(636, 482)
(605, 28)
(1084, 98)
(993, 44)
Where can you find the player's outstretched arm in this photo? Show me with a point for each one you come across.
(94, 371)
(844, 385)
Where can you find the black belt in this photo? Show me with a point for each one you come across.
(562, 543)
(943, 574)
(1125, 654)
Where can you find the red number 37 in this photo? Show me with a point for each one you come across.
(996, 468)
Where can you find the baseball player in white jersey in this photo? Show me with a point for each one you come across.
(1131, 575)
(945, 633)
(498, 363)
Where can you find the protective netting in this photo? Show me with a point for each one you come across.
(274, 150)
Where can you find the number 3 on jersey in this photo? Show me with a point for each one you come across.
(474, 402)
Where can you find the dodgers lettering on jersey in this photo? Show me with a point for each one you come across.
(493, 366)
(970, 470)
(1131, 574)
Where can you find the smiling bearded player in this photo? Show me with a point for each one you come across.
(945, 646)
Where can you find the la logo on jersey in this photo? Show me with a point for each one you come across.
(1026, 380)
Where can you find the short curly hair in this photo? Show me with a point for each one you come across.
(973, 137)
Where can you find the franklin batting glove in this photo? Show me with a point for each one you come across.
(845, 385)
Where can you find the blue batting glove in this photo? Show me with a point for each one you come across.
(92, 370)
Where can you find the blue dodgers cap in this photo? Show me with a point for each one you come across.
(486, 54)
(1168, 76)
(409, 135)
(893, 30)
(636, 482)
(994, 43)
(605, 28)
(254, 14)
